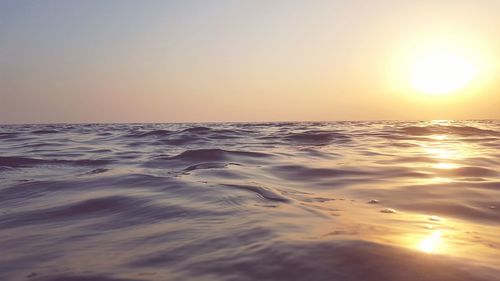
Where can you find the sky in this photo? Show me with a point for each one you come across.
(210, 61)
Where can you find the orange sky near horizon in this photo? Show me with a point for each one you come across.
(195, 61)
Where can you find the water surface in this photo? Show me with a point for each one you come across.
(251, 201)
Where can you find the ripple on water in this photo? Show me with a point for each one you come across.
(250, 201)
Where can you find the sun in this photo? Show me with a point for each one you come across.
(441, 73)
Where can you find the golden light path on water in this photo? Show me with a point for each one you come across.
(445, 154)
(447, 236)
(447, 165)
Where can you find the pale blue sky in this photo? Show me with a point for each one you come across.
(174, 61)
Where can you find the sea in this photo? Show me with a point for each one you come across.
(346, 201)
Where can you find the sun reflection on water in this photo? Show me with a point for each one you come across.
(445, 166)
(441, 122)
(431, 243)
(442, 153)
(439, 137)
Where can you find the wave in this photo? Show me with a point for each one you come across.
(186, 135)
(118, 211)
(81, 278)
(264, 192)
(316, 137)
(17, 162)
(212, 165)
(470, 172)
(44, 132)
(304, 173)
(442, 129)
(198, 129)
(200, 156)
(153, 133)
(8, 135)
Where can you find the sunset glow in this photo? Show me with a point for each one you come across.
(250, 140)
(195, 61)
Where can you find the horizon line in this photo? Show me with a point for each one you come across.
(232, 122)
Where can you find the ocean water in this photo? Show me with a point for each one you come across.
(251, 201)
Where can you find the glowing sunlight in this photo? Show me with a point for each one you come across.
(442, 73)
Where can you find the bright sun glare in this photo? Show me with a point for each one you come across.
(442, 73)
(431, 243)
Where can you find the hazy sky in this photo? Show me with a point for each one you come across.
(175, 61)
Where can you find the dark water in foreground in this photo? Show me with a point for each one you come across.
(279, 201)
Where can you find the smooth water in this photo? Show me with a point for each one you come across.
(251, 201)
